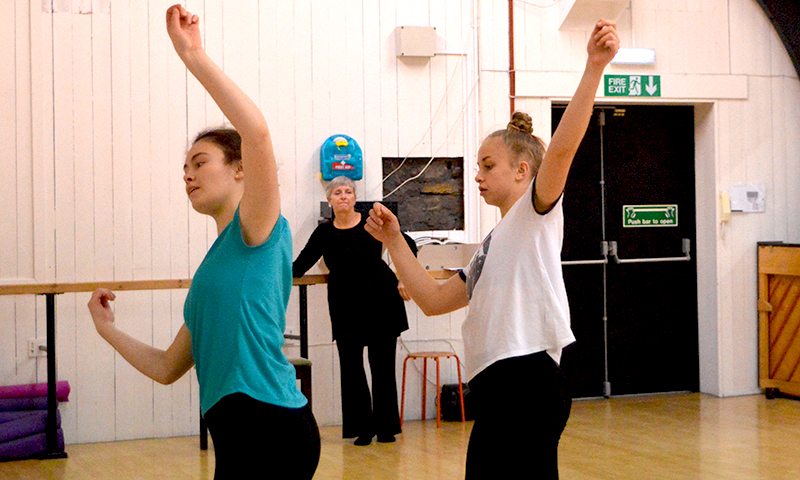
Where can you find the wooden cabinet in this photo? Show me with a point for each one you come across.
(779, 318)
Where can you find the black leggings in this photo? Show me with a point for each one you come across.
(521, 408)
(253, 439)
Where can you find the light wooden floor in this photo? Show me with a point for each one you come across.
(663, 437)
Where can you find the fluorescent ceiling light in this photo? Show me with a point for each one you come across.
(635, 56)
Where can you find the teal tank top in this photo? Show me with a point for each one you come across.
(236, 314)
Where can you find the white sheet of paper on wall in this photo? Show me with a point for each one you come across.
(747, 197)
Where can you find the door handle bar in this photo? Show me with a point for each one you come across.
(599, 261)
(687, 248)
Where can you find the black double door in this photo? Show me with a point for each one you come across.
(629, 242)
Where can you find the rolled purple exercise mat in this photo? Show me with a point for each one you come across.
(11, 416)
(29, 446)
(26, 424)
(15, 404)
(35, 390)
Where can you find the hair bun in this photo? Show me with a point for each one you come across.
(522, 122)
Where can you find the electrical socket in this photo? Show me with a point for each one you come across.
(37, 347)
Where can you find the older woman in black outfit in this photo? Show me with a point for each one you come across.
(359, 281)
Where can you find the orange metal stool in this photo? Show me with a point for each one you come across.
(436, 356)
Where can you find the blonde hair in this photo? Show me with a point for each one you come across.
(521, 142)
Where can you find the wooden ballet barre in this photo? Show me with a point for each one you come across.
(58, 288)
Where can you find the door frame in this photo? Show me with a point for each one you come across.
(713, 340)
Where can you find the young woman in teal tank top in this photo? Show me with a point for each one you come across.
(257, 417)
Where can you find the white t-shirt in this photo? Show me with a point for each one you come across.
(518, 302)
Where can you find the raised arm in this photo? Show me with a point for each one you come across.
(260, 205)
(163, 366)
(432, 297)
(552, 175)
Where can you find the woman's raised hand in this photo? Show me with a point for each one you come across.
(184, 29)
(101, 311)
(603, 44)
(382, 224)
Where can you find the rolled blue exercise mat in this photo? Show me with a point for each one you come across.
(23, 423)
(15, 404)
(28, 446)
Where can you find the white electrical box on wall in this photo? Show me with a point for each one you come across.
(415, 41)
(747, 197)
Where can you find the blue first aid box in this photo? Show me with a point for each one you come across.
(340, 155)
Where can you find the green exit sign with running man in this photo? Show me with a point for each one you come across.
(632, 85)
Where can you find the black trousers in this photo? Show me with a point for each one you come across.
(362, 414)
(253, 439)
(521, 408)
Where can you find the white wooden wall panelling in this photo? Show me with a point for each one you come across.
(374, 42)
(93, 382)
(349, 77)
(461, 38)
(438, 80)
(122, 79)
(414, 89)
(128, 79)
(791, 118)
(324, 357)
(8, 195)
(338, 83)
(493, 45)
(212, 16)
(162, 175)
(302, 191)
(708, 42)
(325, 51)
(42, 139)
(781, 210)
(390, 119)
(750, 54)
(140, 160)
(65, 192)
(23, 142)
(72, 155)
(528, 35)
(283, 87)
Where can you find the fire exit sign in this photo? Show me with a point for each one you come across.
(632, 85)
(649, 216)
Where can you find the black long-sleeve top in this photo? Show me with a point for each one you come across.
(362, 290)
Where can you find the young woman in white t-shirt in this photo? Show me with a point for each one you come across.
(518, 320)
